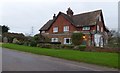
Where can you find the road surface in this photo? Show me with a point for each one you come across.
(21, 61)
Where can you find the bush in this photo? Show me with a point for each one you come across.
(26, 43)
(33, 43)
(77, 38)
(67, 46)
(56, 46)
(82, 47)
(15, 41)
(44, 45)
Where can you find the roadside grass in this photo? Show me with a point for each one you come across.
(98, 58)
(0, 44)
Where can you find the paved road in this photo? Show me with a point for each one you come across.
(21, 61)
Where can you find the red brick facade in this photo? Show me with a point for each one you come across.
(60, 23)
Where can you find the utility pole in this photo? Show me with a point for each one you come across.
(32, 31)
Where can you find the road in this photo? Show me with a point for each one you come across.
(21, 61)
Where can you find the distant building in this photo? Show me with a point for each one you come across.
(91, 24)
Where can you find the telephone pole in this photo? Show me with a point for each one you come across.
(32, 31)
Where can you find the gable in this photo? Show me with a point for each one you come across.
(79, 20)
(60, 22)
(101, 22)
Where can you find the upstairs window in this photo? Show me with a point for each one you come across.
(66, 28)
(55, 29)
(86, 28)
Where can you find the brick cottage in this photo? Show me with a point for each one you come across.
(91, 24)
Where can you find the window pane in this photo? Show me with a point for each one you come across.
(86, 28)
(67, 40)
(55, 29)
(54, 39)
(66, 28)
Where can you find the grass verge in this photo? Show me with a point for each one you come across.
(99, 58)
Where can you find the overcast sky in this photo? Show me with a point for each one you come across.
(22, 15)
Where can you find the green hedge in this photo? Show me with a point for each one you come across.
(77, 38)
(82, 47)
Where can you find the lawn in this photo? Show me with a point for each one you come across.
(0, 44)
(99, 58)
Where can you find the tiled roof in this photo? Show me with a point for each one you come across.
(47, 25)
(84, 19)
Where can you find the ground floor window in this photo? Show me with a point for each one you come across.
(54, 39)
(67, 40)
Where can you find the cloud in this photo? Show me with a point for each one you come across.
(21, 15)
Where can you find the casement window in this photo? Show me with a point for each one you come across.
(55, 29)
(67, 40)
(66, 28)
(86, 28)
(98, 28)
(54, 39)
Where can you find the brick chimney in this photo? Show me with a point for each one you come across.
(54, 16)
(70, 12)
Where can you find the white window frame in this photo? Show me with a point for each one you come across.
(54, 39)
(65, 42)
(86, 28)
(55, 29)
(66, 28)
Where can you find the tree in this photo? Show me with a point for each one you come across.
(77, 38)
(40, 38)
(5, 29)
(114, 39)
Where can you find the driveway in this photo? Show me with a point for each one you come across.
(21, 61)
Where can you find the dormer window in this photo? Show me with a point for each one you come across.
(66, 28)
(86, 28)
(55, 29)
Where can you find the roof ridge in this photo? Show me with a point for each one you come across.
(89, 12)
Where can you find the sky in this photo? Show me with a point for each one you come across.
(25, 16)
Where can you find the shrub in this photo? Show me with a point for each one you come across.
(33, 43)
(77, 38)
(44, 45)
(67, 46)
(56, 46)
(76, 48)
(82, 47)
(15, 41)
(26, 43)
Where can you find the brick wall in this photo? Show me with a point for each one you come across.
(60, 23)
